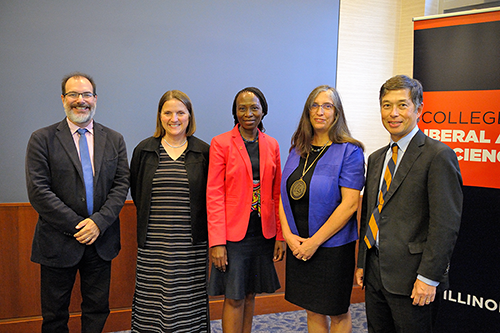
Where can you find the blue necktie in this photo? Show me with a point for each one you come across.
(88, 175)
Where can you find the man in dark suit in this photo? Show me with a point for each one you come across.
(408, 232)
(78, 192)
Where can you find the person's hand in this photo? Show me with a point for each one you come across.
(306, 250)
(219, 257)
(293, 241)
(359, 277)
(88, 232)
(279, 250)
(422, 293)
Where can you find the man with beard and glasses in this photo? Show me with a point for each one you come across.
(77, 178)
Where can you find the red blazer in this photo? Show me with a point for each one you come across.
(230, 185)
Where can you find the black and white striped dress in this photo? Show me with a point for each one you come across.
(170, 294)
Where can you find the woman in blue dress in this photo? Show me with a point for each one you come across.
(320, 189)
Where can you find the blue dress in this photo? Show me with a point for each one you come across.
(322, 284)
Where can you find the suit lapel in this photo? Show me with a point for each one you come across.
(65, 137)
(411, 155)
(374, 182)
(263, 155)
(99, 144)
(239, 145)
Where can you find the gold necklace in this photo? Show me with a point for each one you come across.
(299, 187)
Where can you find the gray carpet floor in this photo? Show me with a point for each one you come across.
(292, 322)
(295, 321)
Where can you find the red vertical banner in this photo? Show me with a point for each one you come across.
(468, 122)
(457, 59)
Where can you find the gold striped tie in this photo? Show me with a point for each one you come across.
(371, 232)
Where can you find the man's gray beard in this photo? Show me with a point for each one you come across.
(80, 119)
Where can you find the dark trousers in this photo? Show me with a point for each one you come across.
(57, 284)
(391, 313)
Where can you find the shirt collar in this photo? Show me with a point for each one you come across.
(405, 141)
(73, 128)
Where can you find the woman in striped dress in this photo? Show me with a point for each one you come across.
(168, 186)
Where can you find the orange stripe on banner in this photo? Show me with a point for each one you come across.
(468, 122)
(457, 20)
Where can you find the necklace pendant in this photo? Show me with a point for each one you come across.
(298, 189)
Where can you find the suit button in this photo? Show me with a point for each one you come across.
(83, 198)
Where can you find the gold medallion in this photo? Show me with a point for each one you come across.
(298, 189)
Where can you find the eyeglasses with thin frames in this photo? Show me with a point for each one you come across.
(325, 107)
(74, 95)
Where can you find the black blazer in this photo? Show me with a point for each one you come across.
(145, 160)
(56, 190)
(421, 216)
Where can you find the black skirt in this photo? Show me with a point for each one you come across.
(322, 284)
(250, 266)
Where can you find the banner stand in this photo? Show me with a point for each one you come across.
(457, 59)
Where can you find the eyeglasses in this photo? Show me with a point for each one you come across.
(325, 107)
(75, 95)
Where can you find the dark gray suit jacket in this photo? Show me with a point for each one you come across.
(56, 190)
(421, 216)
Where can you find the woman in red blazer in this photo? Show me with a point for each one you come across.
(244, 231)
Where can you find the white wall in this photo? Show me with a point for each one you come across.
(375, 43)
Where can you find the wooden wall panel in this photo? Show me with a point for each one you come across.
(20, 309)
(20, 278)
(19, 290)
